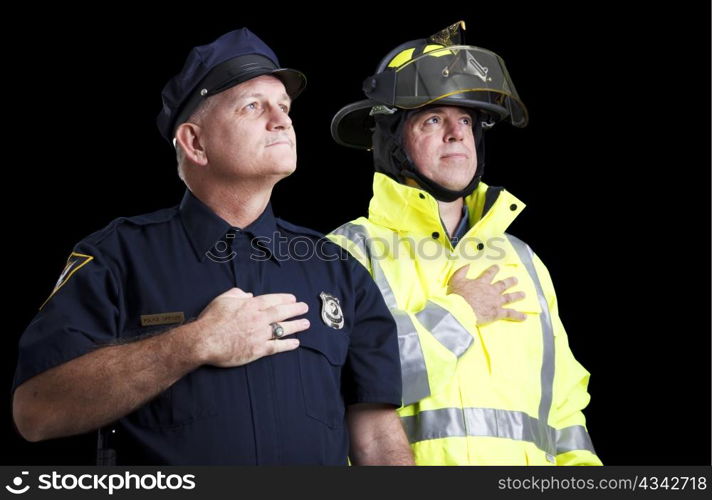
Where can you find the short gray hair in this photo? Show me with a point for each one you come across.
(197, 117)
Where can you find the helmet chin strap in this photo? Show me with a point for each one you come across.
(439, 192)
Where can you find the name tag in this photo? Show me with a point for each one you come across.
(162, 318)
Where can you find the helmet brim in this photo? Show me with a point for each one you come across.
(353, 125)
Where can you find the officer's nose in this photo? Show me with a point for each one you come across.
(279, 119)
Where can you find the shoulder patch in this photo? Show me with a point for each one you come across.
(75, 262)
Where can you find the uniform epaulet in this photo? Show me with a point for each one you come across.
(299, 229)
(157, 217)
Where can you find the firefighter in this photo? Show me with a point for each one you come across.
(488, 376)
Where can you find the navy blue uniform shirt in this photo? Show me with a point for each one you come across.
(286, 408)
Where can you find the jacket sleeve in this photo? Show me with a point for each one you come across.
(430, 340)
(570, 396)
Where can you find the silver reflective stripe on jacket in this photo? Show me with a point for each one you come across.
(460, 422)
(489, 422)
(442, 325)
(445, 328)
(413, 370)
(572, 438)
(546, 436)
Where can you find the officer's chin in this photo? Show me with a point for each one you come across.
(280, 171)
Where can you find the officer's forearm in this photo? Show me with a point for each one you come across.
(99, 387)
(377, 436)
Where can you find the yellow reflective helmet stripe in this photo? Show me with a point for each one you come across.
(401, 58)
(406, 55)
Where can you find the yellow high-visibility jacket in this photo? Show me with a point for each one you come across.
(503, 393)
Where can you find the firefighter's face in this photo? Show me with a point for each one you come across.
(440, 142)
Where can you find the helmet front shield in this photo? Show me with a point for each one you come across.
(458, 75)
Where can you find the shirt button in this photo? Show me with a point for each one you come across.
(435, 235)
(513, 207)
(480, 246)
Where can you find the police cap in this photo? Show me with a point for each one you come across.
(231, 59)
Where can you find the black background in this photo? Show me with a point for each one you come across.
(614, 169)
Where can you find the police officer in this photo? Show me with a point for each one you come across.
(192, 335)
(488, 376)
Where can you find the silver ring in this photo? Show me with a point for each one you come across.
(277, 331)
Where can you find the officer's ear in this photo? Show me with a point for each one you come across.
(188, 139)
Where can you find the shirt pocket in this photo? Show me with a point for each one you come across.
(189, 399)
(322, 355)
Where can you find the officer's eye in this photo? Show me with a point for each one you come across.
(433, 120)
(467, 120)
(284, 108)
(252, 106)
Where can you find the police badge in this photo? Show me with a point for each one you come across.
(331, 311)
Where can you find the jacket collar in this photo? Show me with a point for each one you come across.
(405, 208)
